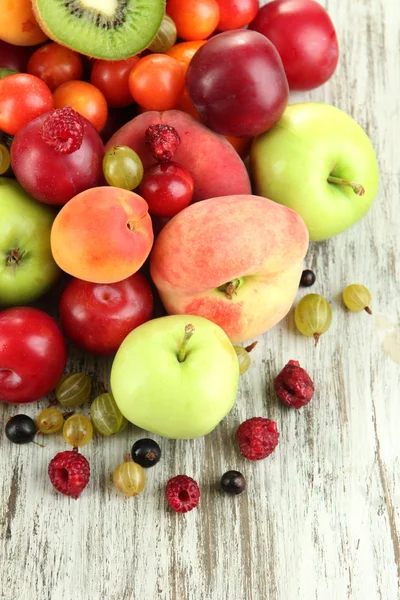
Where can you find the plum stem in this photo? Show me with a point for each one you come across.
(230, 288)
(189, 331)
(356, 187)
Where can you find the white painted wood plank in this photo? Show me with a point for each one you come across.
(321, 518)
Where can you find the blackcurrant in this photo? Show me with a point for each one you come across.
(146, 453)
(233, 482)
(21, 429)
(307, 278)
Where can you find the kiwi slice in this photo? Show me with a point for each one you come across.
(108, 29)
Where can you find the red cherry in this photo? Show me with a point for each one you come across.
(167, 189)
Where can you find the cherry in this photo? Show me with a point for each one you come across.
(167, 188)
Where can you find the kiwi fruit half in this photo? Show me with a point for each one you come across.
(108, 29)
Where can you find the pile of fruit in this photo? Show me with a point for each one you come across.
(158, 191)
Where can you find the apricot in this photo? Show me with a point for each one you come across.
(18, 24)
(102, 235)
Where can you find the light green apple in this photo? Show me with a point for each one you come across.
(176, 376)
(318, 161)
(27, 267)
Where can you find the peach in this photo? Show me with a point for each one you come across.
(216, 168)
(102, 235)
(236, 260)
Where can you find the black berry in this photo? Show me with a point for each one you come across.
(233, 482)
(307, 278)
(146, 453)
(21, 429)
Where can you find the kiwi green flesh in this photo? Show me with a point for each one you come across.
(84, 27)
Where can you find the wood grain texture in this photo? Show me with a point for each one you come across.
(321, 519)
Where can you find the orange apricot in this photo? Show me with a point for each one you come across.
(102, 235)
(18, 24)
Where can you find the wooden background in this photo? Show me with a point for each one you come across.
(321, 518)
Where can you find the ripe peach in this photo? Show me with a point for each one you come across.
(102, 235)
(236, 260)
(18, 25)
(216, 168)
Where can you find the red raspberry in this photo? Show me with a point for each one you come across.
(183, 493)
(163, 140)
(257, 437)
(63, 130)
(69, 472)
(293, 385)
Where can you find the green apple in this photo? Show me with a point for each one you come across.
(176, 376)
(318, 161)
(27, 267)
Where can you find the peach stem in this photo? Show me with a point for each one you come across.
(230, 288)
(356, 187)
(189, 331)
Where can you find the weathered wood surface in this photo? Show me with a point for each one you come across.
(321, 519)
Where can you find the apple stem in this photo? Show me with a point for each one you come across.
(13, 257)
(356, 187)
(368, 310)
(189, 331)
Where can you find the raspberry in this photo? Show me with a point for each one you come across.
(69, 472)
(257, 437)
(63, 130)
(294, 386)
(163, 140)
(183, 493)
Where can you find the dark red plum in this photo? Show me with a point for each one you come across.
(57, 156)
(237, 83)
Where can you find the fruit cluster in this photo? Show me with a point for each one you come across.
(151, 167)
(69, 471)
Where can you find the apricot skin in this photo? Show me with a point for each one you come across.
(18, 25)
(102, 235)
